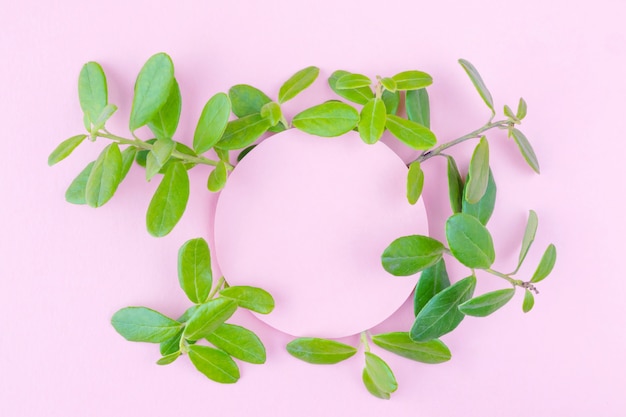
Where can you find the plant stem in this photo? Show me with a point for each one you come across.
(217, 287)
(514, 282)
(366, 344)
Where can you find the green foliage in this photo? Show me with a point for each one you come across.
(372, 121)
(478, 174)
(529, 301)
(483, 208)
(208, 317)
(215, 364)
(140, 324)
(240, 133)
(194, 270)
(251, 298)
(412, 80)
(410, 133)
(92, 91)
(433, 280)
(418, 107)
(485, 304)
(455, 186)
(526, 149)
(169, 201)
(319, 351)
(410, 254)
(391, 100)
(348, 81)
(356, 95)
(400, 343)
(152, 90)
(297, 83)
(238, 342)
(212, 123)
(478, 82)
(218, 177)
(330, 119)
(414, 182)
(378, 377)
(165, 121)
(545, 265)
(65, 149)
(470, 242)
(105, 176)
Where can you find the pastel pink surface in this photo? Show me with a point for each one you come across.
(307, 218)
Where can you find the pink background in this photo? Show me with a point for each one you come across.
(65, 269)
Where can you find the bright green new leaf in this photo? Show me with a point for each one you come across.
(207, 317)
(433, 351)
(455, 186)
(75, 193)
(238, 342)
(152, 89)
(391, 100)
(241, 133)
(166, 360)
(529, 301)
(470, 242)
(297, 83)
(389, 84)
(487, 303)
(414, 182)
(410, 133)
(105, 176)
(128, 156)
(329, 119)
(529, 237)
(65, 149)
(526, 149)
(545, 265)
(165, 121)
(92, 91)
(378, 377)
(412, 80)
(478, 83)
(169, 201)
(319, 351)
(245, 152)
(272, 112)
(441, 314)
(212, 123)
(349, 81)
(251, 298)
(522, 109)
(214, 364)
(483, 209)
(408, 255)
(194, 270)
(357, 95)
(141, 324)
(478, 174)
(372, 121)
(104, 116)
(159, 155)
(418, 106)
(218, 177)
(432, 281)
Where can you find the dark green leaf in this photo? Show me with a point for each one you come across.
(152, 89)
(441, 314)
(414, 182)
(75, 193)
(378, 377)
(105, 176)
(433, 351)
(408, 255)
(272, 112)
(455, 186)
(478, 83)
(391, 100)
(432, 281)
(238, 342)
(412, 80)
(418, 107)
(478, 175)
(529, 237)
(470, 241)
(545, 265)
(487, 303)
(141, 324)
(251, 298)
(329, 119)
(319, 351)
(217, 177)
(483, 209)
(65, 149)
(372, 121)
(92, 91)
(358, 95)
(410, 133)
(241, 133)
(159, 156)
(529, 301)
(212, 123)
(207, 317)
(214, 364)
(169, 201)
(522, 108)
(526, 149)
(165, 121)
(297, 83)
(194, 270)
(166, 360)
(245, 152)
(389, 84)
(349, 81)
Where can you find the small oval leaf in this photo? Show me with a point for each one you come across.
(297, 83)
(218, 177)
(75, 193)
(272, 112)
(251, 298)
(166, 360)
(352, 81)
(241, 133)
(455, 186)
(433, 351)
(92, 91)
(432, 281)
(526, 149)
(478, 82)
(169, 201)
(165, 121)
(207, 317)
(238, 342)
(372, 121)
(483, 209)
(380, 375)
(529, 301)
(478, 174)
(391, 100)
(357, 95)
(214, 364)
(414, 182)
(329, 119)
(470, 242)
(247, 100)
(487, 303)
(545, 265)
(389, 84)
(105, 176)
(522, 109)
(141, 324)
(319, 351)
(408, 255)
(152, 89)
(528, 239)
(412, 80)
(212, 123)
(410, 133)
(194, 270)
(65, 148)
(418, 106)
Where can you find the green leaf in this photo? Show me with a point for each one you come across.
(389, 84)
(212, 123)
(214, 364)
(487, 303)
(75, 193)
(455, 186)
(169, 201)
(526, 149)
(478, 175)
(529, 301)
(159, 155)
(349, 81)
(142, 156)
(319, 351)
(217, 177)
(152, 89)
(297, 83)
(128, 156)
(418, 106)
(414, 182)
(433, 351)
(470, 241)
(478, 83)
(441, 314)
(92, 91)
(372, 121)
(272, 112)
(357, 95)
(245, 152)
(378, 377)
(247, 100)
(329, 119)
(207, 317)
(410, 133)
(509, 113)
(171, 345)
(251, 298)
(141, 324)
(412, 80)
(391, 100)
(432, 281)
(104, 116)
(408, 255)
(194, 270)
(165, 121)
(545, 265)
(65, 149)
(105, 176)
(483, 209)
(166, 360)
(241, 133)
(238, 342)
(223, 155)
(522, 109)
(529, 237)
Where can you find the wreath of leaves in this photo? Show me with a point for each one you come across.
(202, 332)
